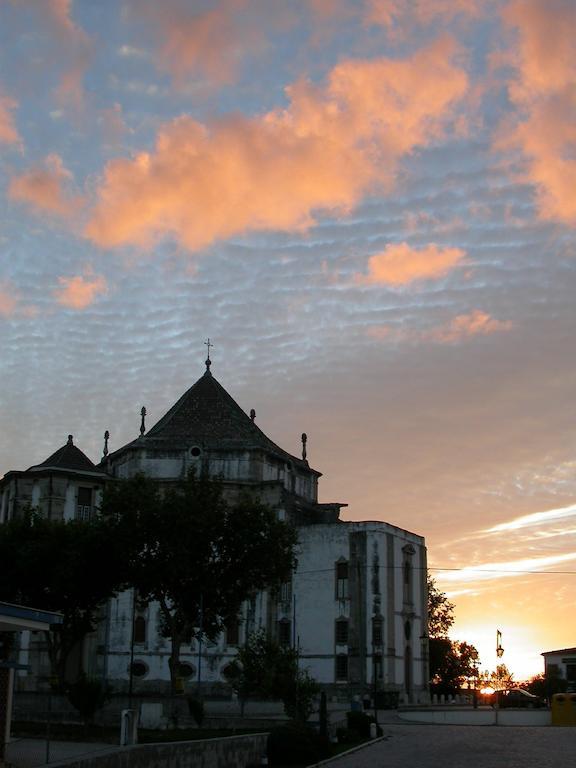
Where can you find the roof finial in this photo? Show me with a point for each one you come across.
(252, 414)
(143, 424)
(208, 361)
(304, 441)
(106, 438)
(70, 440)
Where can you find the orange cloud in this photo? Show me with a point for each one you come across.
(8, 132)
(8, 299)
(208, 43)
(460, 328)
(477, 323)
(44, 189)
(80, 291)
(400, 264)
(543, 90)
(324, 151)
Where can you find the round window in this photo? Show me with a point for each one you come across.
(139, 669)
(186, 670)
(230, 671)
(195, 451)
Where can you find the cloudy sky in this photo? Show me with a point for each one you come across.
(369, 206)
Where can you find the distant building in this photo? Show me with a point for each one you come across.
(16, 618)
(562, 663)
(356, 605)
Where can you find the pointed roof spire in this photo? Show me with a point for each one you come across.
(208, 361)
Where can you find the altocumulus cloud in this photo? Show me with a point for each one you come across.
(45, 189)
(400, 264)
(542, 90)
(8, 132)
(459, 328)
(330, 146)
(80, 291)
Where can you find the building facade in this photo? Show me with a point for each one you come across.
(563, 664)
(355, 608)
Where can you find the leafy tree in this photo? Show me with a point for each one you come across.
(440, 611)
(501, 678)
(265, 669)
(546, 685)
(451, 663)
(196, 555)
(57, 566)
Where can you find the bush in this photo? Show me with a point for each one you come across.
(296, 743)
(196, 709)
(87, 696)
(359, 722)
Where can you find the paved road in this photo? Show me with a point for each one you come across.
(466, 746)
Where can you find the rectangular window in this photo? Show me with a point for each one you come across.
(342, 632)
(408, 581)
(571, 672)
(286, 592)
(84, 504)
(285, 633)
(140, 629)
(341, 667)
(341, 580)
(233, 631)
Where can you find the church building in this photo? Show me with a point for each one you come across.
(356, 606)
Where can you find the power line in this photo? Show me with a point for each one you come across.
(449, 568)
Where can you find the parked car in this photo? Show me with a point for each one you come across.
(517, 697)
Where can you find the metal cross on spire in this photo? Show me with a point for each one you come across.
(208, 361)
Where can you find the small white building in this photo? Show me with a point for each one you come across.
(563, 664)
(356, 607)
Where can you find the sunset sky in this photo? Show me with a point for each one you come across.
(369, 206)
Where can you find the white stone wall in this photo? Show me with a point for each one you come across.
(253, 466)
(315, 608)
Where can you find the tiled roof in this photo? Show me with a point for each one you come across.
(68, 457)
(207, 416)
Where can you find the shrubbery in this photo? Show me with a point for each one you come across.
(296, 743)
(358, 728)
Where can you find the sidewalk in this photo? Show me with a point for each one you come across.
(29, 753)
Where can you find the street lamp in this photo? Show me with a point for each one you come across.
(499, 649)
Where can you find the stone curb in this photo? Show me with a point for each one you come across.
(349, 751)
